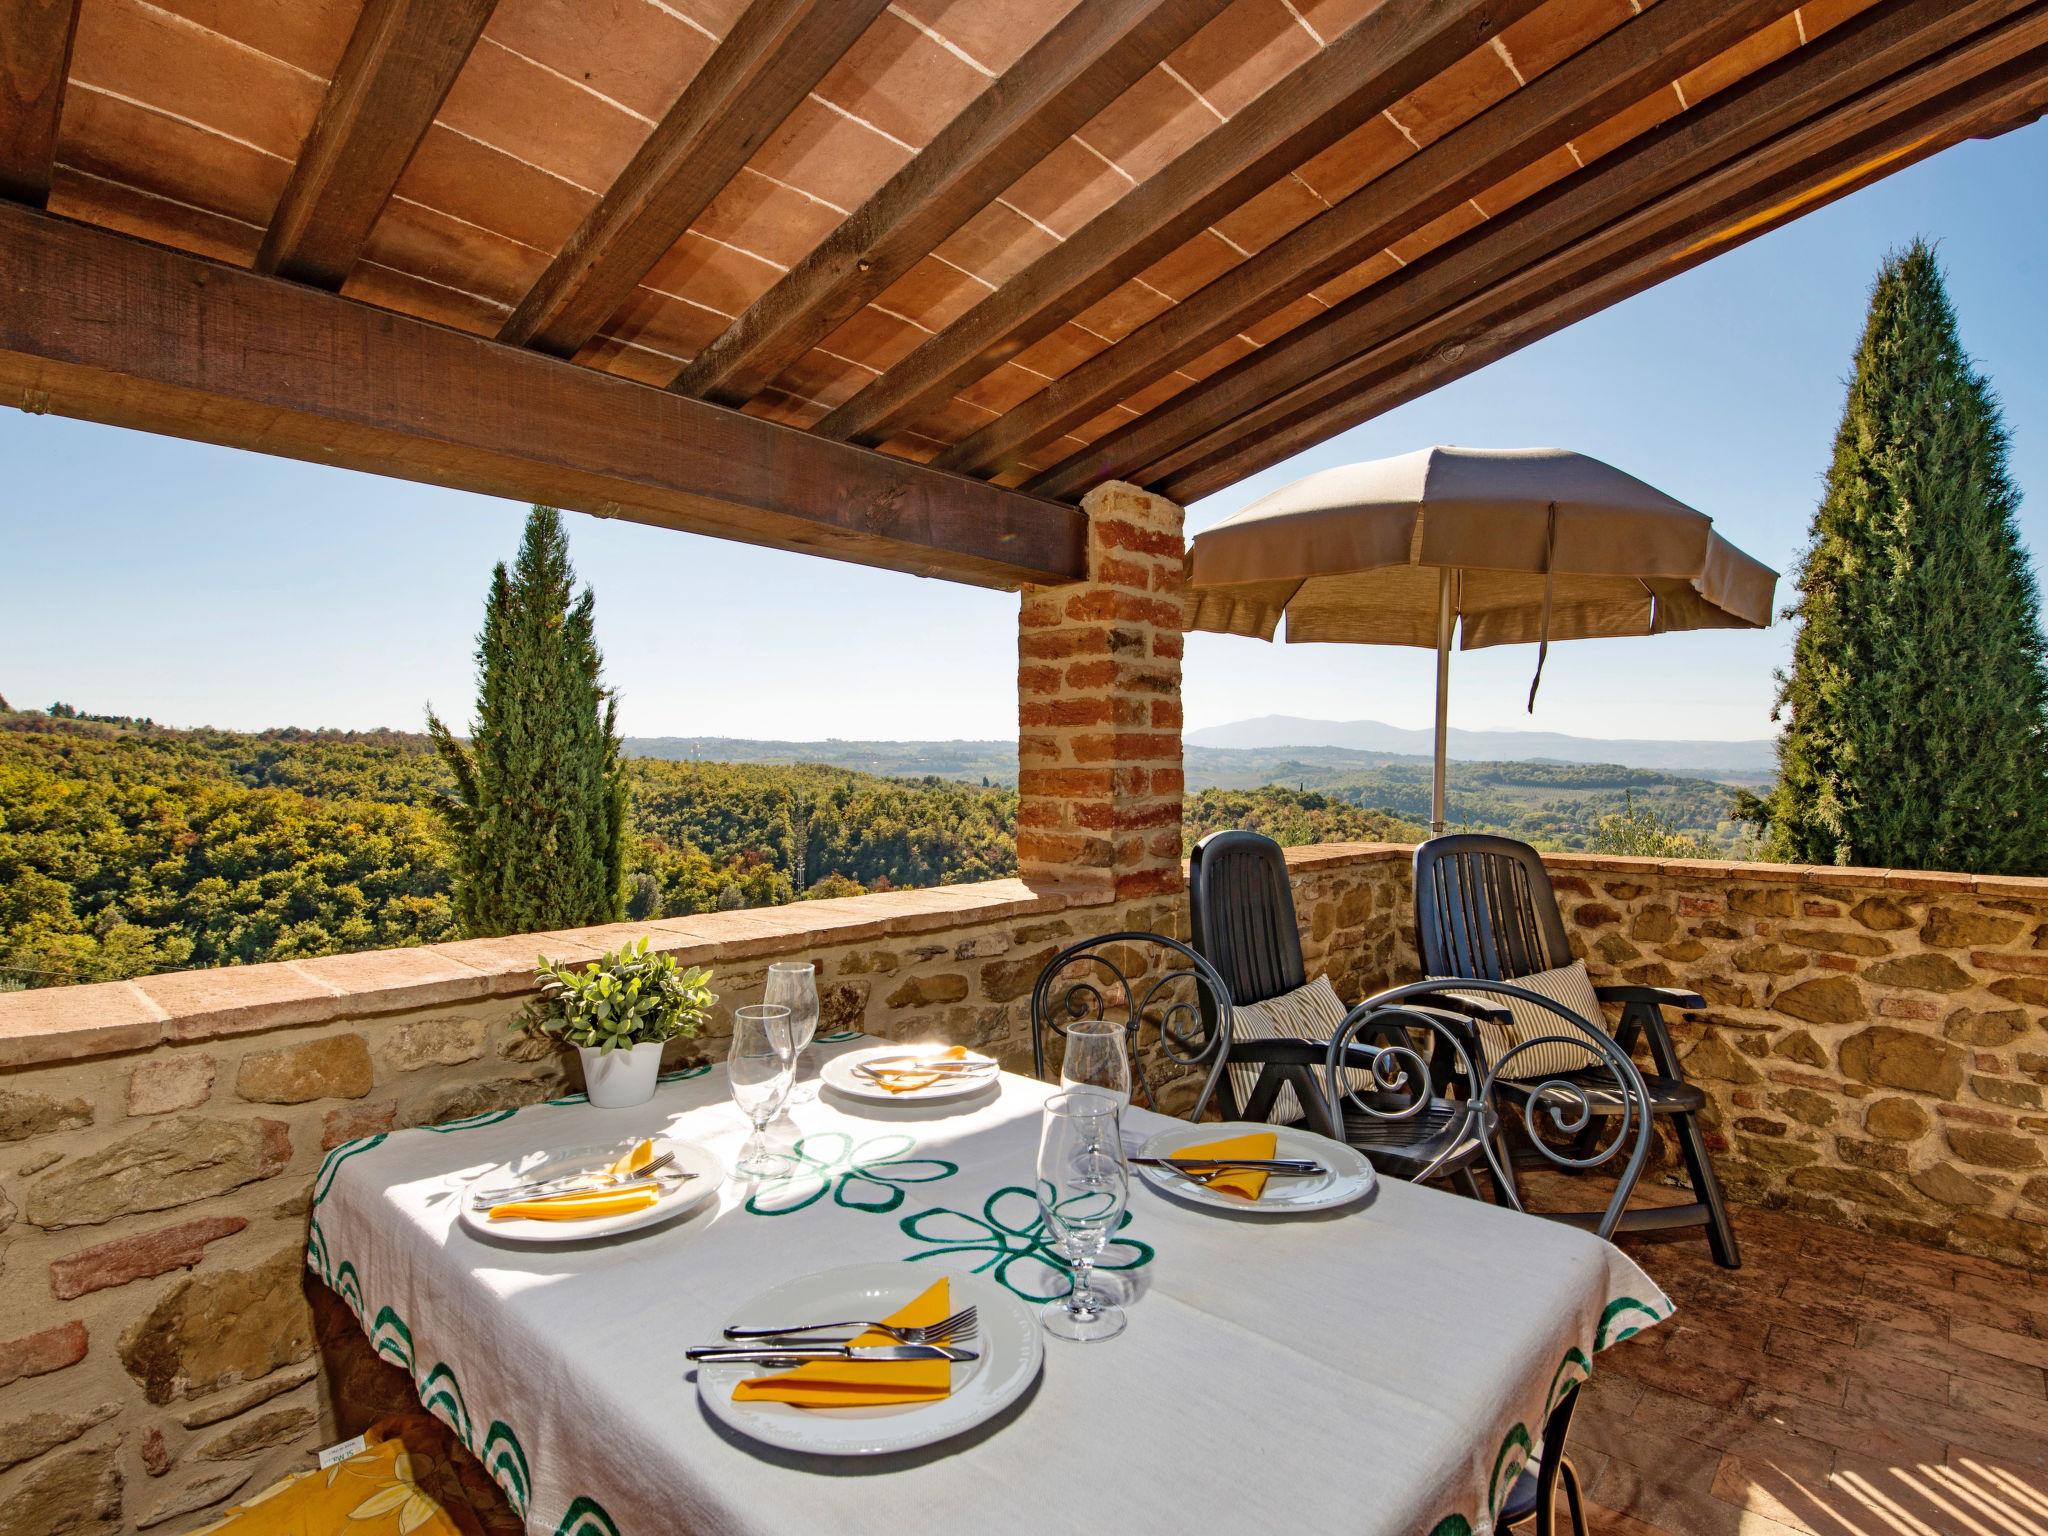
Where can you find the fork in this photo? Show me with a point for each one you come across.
(569, 1183)
(960, 1326)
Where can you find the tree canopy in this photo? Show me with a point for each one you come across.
(1916, 705)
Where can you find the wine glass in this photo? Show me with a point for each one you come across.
(793, 984)
(1095, 1059)
(760, 1066)
(1083, 1187)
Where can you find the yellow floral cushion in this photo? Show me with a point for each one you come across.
(398, 1485)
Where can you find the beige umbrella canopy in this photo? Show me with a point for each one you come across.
(1502, 545)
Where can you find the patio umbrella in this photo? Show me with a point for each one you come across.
(1500, 545)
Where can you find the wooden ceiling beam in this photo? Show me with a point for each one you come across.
(1095, 53)
(1563, 291)
(774, 54)
(103, 327)
(35, 62)
(1248, 395)
(1625, 66)
(1389, 52)
(398, 67)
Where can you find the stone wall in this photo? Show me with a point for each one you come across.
(1873, 1048)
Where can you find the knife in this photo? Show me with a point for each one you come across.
(911, 1065)
(1248, 1164)
(790, 1354)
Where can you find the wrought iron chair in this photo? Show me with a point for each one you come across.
(1141, 975)
(1610, 1097)
(1243, 917)
(1484, 908)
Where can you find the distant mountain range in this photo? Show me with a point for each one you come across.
(1708, 758)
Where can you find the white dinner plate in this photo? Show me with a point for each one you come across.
(838, 1074)
(678, 1195)
(1350, 1176)
(1009, 1343)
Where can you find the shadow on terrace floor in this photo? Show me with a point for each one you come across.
(1836, 1384)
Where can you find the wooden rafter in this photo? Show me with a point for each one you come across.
(1252, 393)
(1382, 57)
(107, 328)
(398, 67)
(35, 58)
(1642, 55)
(774, 54)
(1083, 64)
(1671, 238)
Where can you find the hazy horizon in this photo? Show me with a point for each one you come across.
(204, 586)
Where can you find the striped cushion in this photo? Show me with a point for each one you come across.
(1569, 985)
(1313, 1012)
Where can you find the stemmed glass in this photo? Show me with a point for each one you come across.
(1083, 1187)
(793, 984)
(760, 1066)
(1095, 1059)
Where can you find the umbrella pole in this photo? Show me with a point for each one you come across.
(1446, 615)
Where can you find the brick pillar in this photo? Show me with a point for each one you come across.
(1098, 710)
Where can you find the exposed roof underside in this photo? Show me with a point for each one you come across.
(1033, 242)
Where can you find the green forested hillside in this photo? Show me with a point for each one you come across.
(127, 848)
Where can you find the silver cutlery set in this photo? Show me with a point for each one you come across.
(783, 1346)
(586, 1181)
(876, 1069)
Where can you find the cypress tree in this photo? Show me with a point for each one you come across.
(1917, 700)
(537, 817)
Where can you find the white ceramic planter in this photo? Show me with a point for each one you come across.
(621, 1079)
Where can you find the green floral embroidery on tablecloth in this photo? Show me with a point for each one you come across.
(323, 1181)
(439, 1392)
(1452, 1525)
(684, 1074)
(505, 1460)
(1624, 1318)
(1508, 1463)
(1015, 1248)
(472, 1122)
(864, 1176)
(586, 1517)
(837, 1037)
(1572, 1370)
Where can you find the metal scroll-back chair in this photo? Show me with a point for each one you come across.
(1614, 1135)
(1140, 976)
(1242, 907)
(1485, 910)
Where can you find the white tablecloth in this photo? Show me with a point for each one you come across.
(1378, 1370)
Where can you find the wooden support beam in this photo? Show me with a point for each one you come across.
(35, 61)
(1082, 65)
(400, 62)
(766, 65)
(1249, 396)
(1672, 240)
(1392, 50)
(107, 328)
(1642, 55)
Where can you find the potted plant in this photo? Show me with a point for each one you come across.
(619, 1011)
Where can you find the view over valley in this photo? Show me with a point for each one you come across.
(128, 848)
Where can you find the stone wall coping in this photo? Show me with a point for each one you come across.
(60, 1024)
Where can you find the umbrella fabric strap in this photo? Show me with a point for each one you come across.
(1549, 587)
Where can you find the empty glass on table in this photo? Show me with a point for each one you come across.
(1083, 1187)
(1095, 1059)
(793, 984)
(761, 1065)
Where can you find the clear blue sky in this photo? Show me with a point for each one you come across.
(199, 585)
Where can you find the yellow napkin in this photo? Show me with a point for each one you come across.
(865, 1383)
(1249, 1182)
(909, 1080)
(584, 1205)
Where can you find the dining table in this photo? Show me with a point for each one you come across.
(1384, 1369)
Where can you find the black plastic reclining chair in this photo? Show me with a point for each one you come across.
(1243, 917)
(1484, 909)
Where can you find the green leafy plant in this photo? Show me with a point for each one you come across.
(626, 998)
